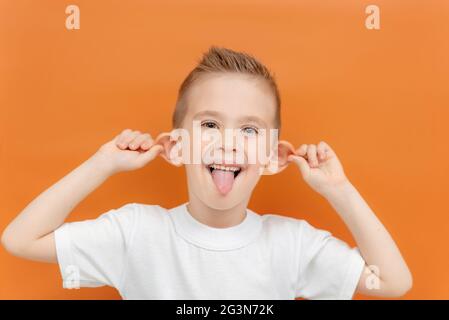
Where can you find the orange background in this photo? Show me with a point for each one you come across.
(380, 98)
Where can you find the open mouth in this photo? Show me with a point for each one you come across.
(233, 169)
(223, 176)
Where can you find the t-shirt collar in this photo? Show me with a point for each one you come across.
(212, 238)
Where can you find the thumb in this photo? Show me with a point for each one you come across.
(301, 163)
(149, 155)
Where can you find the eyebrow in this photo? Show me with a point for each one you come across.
(218, 114)
(256, 120)
(207, 113)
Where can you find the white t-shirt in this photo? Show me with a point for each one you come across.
(149, 252)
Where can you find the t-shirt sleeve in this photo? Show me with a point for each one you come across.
(92, 253)
(328, 267)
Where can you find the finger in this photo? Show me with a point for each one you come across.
(311, 155)
(137, 141)
(120, 138)
(321, 149)
(328, 150)
(302, 150)
(149, 155)
(147, 143)
(301, 163)
(127, 138)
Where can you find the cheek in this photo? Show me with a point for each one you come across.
(257, 152)
(252, 173)
(193, 171)
(208, 147)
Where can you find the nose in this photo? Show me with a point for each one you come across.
(232, 148)
(229, 145)
(228, 140)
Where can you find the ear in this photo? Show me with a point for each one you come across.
(165, 140)
(274, 166)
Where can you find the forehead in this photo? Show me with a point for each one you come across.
(232, 96)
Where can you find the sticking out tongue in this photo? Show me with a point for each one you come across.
(223, 180)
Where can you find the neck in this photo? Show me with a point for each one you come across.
(216, 218)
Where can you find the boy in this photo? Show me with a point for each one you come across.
(213, 246)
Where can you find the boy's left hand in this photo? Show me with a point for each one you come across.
(320, 167)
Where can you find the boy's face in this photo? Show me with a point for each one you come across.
(235, 103)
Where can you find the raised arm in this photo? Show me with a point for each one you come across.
(30, 235)
(386, 273)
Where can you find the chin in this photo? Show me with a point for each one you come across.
(221, 203)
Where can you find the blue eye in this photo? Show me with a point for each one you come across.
(250, 131)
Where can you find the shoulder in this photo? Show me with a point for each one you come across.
(138, 220)
(134, 215)
(152, 212)
(300, 229)
(277, 226)
(137, 209)
(281, 222)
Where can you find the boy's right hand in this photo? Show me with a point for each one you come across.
(130, 150)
